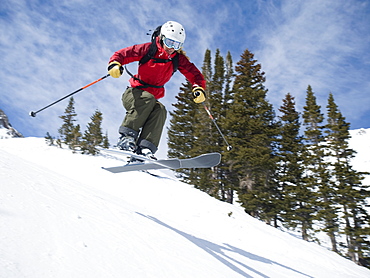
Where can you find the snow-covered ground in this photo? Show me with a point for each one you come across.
(360, 142)
(61, 215)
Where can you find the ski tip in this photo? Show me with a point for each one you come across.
(215, 158)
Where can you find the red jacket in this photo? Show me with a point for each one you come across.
(157, 74)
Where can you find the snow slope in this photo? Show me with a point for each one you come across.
(61, 215)
(360, 142)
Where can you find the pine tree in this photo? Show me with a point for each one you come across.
(105, 144)
(296, 198)
(229, 76)
(209, 180)
(214, 181)
(313, 119)
(228, 178)
(49, 139)
(192, 133)
(183, 143)
(76, 137)
(350, 193)
(203, 129)
(181, 131)
(250, 123)
(93, 136)
(317, 177)
(66, 130)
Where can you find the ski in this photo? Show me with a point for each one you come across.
(167, 163)
(207, 160)
(135, 167)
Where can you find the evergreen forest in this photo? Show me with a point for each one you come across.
(291, 170)
(70, 133)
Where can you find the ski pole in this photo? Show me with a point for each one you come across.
(33, 114)
(229, 147)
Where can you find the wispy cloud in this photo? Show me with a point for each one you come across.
(321, 43)
(49, 49)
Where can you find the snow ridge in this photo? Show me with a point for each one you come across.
(61, 215)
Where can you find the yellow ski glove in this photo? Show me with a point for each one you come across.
(115, 69)
(199, 94)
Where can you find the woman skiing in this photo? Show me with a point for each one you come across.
(145, 116)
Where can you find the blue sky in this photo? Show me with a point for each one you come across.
(51, 48)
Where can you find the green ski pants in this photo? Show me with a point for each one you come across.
(145, 117)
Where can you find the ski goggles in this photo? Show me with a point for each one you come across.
(172, 43)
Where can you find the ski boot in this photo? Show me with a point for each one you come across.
(126, 143)
(147, 153)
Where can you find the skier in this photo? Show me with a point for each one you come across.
(142, 126)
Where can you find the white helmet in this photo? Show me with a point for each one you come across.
(174, 31)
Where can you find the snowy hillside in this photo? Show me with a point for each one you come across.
(360, 142)
(61, 215)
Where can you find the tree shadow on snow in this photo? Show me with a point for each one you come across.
(218, 252)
